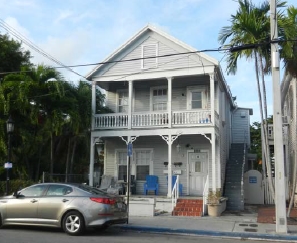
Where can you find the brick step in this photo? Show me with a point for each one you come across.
(194, 201)
(189, 214)
(188, 209)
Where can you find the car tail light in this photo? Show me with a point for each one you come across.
(103, 200)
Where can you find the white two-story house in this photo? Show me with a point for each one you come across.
(173, 104)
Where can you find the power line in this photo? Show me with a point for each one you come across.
(18, 35)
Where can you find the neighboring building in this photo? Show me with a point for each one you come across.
(289, 108)
(174, 105)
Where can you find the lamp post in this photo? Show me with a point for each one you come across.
(8, 165)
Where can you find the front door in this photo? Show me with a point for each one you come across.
(198, 163)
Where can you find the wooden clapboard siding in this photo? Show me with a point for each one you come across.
(240, 126)
(167, 62)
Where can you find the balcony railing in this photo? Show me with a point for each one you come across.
(153, 119)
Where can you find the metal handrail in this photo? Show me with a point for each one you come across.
(175, 192)
(205, 195)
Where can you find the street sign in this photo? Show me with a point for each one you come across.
(129, 148)
(8, 165)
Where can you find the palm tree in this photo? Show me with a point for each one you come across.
(288, 26)
(251, 26)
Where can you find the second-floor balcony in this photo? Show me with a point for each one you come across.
(155, 119)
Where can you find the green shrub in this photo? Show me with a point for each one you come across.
(14, 185)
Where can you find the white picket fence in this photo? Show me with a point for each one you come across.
(268, 199)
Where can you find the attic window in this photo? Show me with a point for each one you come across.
(149, 55)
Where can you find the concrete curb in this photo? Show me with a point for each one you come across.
(242, 235)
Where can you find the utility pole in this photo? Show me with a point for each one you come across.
(280, 188)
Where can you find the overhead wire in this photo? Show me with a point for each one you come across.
(29, 43)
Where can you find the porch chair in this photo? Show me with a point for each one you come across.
(180, 186)
(110, 185)
(151, 184)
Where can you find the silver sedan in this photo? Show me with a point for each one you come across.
(73, 207)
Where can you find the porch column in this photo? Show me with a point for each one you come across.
(92, 144)
(169, 139)
(92, 157)
(130, 104)
(213, 161)
(93, 105)
(218, 155)
(169, 99)
(169, 166)
(212, 98)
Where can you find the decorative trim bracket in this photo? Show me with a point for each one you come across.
(173, 138)
(132, 139)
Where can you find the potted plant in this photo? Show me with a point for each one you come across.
(216, 203)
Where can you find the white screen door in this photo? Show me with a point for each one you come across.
(198, 163)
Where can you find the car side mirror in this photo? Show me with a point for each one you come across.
(16, 194)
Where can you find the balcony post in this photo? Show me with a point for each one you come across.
(130, 104)
(212, 98)
(169, 99)
(93, 105)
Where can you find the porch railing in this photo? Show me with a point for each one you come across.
(175, 192)
(113, 120)
(154, 119)
(191, 117)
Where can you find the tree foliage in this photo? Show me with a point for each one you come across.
(52, 121)
(12, 55)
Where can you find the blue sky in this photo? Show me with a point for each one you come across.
(82, 32)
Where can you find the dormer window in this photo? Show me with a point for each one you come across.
(149, 55)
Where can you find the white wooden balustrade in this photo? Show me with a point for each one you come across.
(153, 119)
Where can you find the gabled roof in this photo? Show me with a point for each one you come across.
(150, 27)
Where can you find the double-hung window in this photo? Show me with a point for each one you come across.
(142, 163)
(122, 164)
(196, 98)
(159, 99)
(122, 101)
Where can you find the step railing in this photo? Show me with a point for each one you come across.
(175, 192)
(205, 195)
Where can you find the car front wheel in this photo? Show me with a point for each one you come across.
(73, 223)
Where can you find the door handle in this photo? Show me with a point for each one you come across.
(34, 201)
(65, 200)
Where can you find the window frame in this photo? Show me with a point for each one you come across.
(203, 91)
(152, 89)
(133, 162)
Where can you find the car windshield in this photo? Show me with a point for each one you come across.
(91, 190)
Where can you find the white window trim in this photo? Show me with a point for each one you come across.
(151, 165)
(117, 99)
(116, 164)
(142, 55)
(133, 162)
(151, 95)
(202, 89)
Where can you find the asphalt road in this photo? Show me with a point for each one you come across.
(49, 235)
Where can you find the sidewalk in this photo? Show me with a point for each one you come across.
(230, 224)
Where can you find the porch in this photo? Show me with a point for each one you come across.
(156, 119)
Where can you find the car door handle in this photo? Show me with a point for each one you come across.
(34, 201)
(65, 200)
